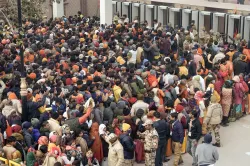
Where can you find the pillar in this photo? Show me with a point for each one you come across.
(106, 12)
(23, 93)
(58, 8)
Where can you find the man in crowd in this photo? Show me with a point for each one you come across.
(177, 138)
(151, 142)
(194, 134)
(206, 154)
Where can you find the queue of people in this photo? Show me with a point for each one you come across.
(120, 93)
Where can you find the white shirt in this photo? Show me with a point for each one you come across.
(133, 58)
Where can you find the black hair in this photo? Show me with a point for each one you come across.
(157, 114)
(194, 113)
(174, 115)
(11, 139)
(57, 164)
(54, 115)
(44, 149)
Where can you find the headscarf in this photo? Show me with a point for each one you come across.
(115, 122)
(30, 159)
(236, 79)
(228, 84)
(43, 140)
(101, 129)
(199, 96)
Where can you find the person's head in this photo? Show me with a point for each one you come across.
(44, 149)
(126, 128)
(208, 138)
(157, 115)
(124, 94)
(46, 125)
(173, 116)
(79, 133)
(194, 114)
(28, 126)
(112, 138)
(54, 115)
(11, 140)
(57, 164)
(89, 153)
(148, 124)
(140, 97)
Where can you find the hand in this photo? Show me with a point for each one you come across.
(7, 123)
(74, 154)
(195, 142)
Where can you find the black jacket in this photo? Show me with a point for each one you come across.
(163, 129)
(240, 67)
(28, 139)
(177, 132)
(195, 129)
(33, 108)
(128, 146)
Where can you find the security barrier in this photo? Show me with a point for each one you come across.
(5, 161)
(12, 163)
(8, 162)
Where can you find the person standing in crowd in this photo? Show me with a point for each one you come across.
(206, 154)
(177, 134)
(238, 95)
(116, 155)
(163, 129)
(214, 118)
(151, 142)
(194, 134)
(9, 149)
(128, 144)
(226, 101)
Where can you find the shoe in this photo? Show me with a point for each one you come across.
(166, 160)
(224, 124)
(180, 162)
(217, 145)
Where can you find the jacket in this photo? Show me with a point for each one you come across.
(128, 146)
(83, 144)
(108, 114)
(117, 91)
(177, 132)
(3, 86)
(54, 125)
(115, 155)
(28, 139)
(214, 114)
(163, 129)
(195, 129)
(206, 154)
(240, 66)
(98, 115)
(32, 107)
(166, 46)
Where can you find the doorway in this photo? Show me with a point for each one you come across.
(207, 22)
(221, 25)
(177, 18)
(236, 27)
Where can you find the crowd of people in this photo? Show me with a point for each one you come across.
(119, 93)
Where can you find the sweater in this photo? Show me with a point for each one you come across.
(206, 154)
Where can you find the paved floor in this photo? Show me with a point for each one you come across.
(235, 140)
